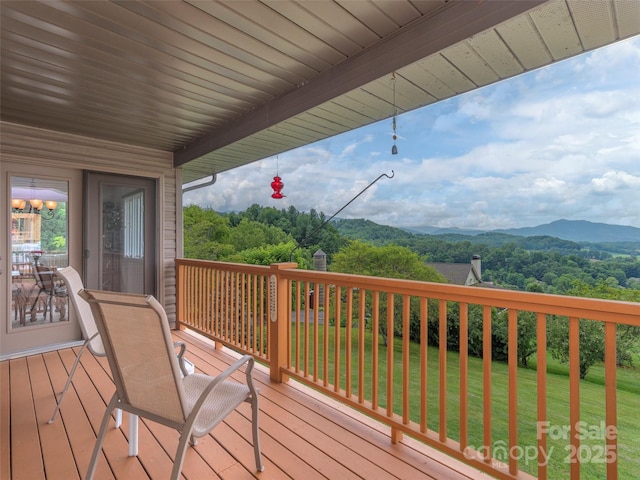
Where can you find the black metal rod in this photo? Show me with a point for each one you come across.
(317, 229)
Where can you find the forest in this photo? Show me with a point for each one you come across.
(265, 235)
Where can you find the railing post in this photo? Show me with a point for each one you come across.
(279, 314)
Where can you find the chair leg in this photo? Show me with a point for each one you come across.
(100, 438)
(118, 417)
(66, 385)
(256, 436)
(179, 460)
(133, 435)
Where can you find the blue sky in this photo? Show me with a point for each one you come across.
(559, 142)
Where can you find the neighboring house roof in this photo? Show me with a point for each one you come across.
(457, 273)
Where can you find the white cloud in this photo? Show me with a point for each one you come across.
(561, 142)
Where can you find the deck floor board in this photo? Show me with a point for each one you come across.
(304, 434)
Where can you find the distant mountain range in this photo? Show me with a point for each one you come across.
(573, 230)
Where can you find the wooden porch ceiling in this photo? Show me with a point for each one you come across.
(224, 83)
(303, 434)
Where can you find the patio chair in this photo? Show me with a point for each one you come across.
(47, 284)
(137, 340)
(93, 342)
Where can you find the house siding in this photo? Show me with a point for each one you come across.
(35, 146)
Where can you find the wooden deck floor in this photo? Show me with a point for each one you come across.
(304, 435)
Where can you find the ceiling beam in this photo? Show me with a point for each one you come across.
(453, 23)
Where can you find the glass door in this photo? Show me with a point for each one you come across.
(40, 238)
(120, 240)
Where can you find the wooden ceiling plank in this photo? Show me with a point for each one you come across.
(594, 22)
(279, 30)
(555, 25)
(403, 13)
(302, 14)
(464, 57)
(434, 88)
(206, 33)
(447, 73)
(343, 21)
(106, 56)
(171, 45)
(627, 15)
(490, 47)
(525, 42)
(422, 38)
(375, 18)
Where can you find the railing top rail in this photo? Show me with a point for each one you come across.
(587, 308)
(226, 266)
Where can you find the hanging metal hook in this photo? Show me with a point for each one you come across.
(317, 229)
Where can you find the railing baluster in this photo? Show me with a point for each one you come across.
(316, 332)
(442, 340)
(374, 353)
(348, 346)
(574, 396)
(325, 339)
(390, 345)
(424, 354)
(611, 429)
(486, 382)
(307, 327)
(541, 357)
(336, 340)
(464, 374)
(406, 364)
(296, 339)
(513, 389)
(361, 327)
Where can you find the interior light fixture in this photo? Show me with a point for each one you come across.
(19, 205)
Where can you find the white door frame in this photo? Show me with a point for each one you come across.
(48, 336)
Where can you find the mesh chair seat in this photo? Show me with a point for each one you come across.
(222, 400)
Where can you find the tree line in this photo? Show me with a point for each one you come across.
(265, 235)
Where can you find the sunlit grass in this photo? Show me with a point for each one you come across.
(592, 407)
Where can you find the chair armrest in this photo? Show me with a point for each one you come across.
(248, 359)
(183, 348)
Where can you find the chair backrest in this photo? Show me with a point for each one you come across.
(36, 274)
(87, 323)
(44, 278)
(139, 347)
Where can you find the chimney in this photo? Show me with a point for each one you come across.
(476, 261)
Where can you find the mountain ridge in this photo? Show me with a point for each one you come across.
(573, 230)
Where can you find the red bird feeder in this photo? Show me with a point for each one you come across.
(277, 185)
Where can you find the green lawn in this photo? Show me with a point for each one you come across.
(591, 393)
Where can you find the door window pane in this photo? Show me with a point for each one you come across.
(39, 233)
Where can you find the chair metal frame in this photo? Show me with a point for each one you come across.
(135, 331)
(92, 342)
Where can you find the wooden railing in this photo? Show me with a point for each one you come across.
(332, 332)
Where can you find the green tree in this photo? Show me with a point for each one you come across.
(389, 261)
(526, 341)
(206, 234)
(268, 254)
(592, 332)
(53, 229)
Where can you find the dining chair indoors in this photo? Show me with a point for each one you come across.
(138, 345)
(47, 284)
